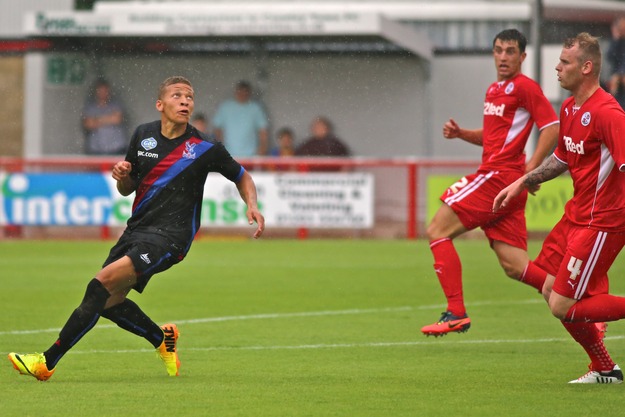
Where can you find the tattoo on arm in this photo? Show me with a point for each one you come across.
(549, 169)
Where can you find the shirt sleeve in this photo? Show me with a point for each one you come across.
(612, 132)
(560, 151)
(88, 111)
(534, 101)
(225, 164)
(261, 119)
(218, 119)
(131, 155)
(116, 107)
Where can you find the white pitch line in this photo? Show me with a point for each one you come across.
(345, 345)
(302, 314)
(238, 318)
(288, 315)
(485, 303)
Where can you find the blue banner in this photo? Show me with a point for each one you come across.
(56, 199)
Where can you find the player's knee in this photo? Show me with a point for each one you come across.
(434, 231)
(512, 272)
(512, 269)
(431, 232)
(107, 281)
(94, 299)
(118, 276)
(559, 310)
(95, 291)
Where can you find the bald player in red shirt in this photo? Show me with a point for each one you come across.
(580, 249)
(513, 104)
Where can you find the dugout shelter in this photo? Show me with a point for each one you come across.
(367, 73)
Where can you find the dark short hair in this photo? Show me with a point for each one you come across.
(175, 79)
(512, 35)
(324, 120)
(243, 85)
(101, 81)
(285, 131)
(199, 116)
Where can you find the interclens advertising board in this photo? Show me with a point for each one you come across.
(312, 200)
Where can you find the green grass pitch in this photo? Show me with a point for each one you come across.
(298, 328)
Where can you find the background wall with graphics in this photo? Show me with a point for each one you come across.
(287, 200)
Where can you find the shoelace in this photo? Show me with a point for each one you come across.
(444, 317)
(587, 374)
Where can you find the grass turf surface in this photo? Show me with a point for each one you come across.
(298, 328)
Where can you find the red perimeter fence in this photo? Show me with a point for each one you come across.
(408, 178)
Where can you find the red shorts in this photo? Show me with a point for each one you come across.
(579, 258)
(471, 198)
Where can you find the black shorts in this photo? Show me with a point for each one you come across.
(149, 252)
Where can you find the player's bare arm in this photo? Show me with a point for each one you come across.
(247, 190)
(546, 143)
(549, 169)
(451, 130)
(121, 174)
(263, 142)
(552, 167)
(92, 123)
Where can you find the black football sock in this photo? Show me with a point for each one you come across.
(79, 323)
(129, 316)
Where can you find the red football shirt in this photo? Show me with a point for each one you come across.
(510, 109)
(592, 144)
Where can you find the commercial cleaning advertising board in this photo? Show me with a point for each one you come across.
(314, 200)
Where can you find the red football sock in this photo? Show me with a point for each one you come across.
(449, 271)
(534, 276)
(600, 307)
(587, 335)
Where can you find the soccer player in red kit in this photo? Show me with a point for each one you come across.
(580, 249)
(513, 104)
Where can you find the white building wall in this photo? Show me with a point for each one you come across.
(459, 85)
(377, 103)
(12, 13)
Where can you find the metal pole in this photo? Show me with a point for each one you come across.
(411, 224)
(537, 20)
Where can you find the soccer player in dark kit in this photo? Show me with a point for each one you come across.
(167, 163)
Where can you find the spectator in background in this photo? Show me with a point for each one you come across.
(103, 122)
(616, 58)
(285, 147)
(200, 122)
(323, 142)
(285, 143)
(241, 124)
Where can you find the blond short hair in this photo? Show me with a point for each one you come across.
(589, 48)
